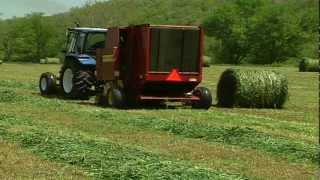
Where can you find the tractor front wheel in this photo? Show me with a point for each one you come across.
(205, 97)
(47, 84)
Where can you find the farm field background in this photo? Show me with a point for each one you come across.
(49, 137)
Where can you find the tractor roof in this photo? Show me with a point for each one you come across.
(85, 29)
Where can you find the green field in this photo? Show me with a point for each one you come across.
(53, 138)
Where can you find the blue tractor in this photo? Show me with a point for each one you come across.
(77, 74)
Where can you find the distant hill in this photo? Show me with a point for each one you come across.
(108, 13)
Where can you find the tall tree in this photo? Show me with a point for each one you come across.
(37, 36)
(229, 24)
(274, 35)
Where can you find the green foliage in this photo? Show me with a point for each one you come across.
(259, 31)
(255, 31)
(26, 39)
(251, 88)
(207, 61)
(38, 38)
(274, 35)
(229, 24)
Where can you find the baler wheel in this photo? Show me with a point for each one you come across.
(205, 101)
(47, 83)
(101, 100)
(115, 98)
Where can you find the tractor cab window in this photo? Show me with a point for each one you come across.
(72, 38)
(80, 42)
(95, 41)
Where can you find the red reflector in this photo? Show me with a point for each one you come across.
(174, 76)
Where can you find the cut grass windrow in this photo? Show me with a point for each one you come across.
(100, 157)
(8, 95)
(245, 137)
(8, 87)
(17, 163)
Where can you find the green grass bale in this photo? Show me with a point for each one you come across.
(252, 89)
(49, 60)
(53, 60)
(43, 61)
(309, 65)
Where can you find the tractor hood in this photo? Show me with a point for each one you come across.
(86, 60)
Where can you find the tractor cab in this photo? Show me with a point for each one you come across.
(82, 44)
(77, 73)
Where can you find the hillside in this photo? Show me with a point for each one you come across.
(127, 12)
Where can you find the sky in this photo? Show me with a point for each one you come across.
(10, 8)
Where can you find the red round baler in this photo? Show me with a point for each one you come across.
(152, 64)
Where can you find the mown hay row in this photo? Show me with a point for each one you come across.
(252, 88)
(309, 65)
(242, 136)
(101, 158)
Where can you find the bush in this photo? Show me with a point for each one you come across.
(309, 65)
(252, 88)
(206, 61)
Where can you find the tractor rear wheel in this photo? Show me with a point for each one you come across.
(76, 84)
(205, 97)
(47, 83)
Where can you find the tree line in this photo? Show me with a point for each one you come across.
(237, 31)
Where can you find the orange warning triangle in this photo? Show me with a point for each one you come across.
(174, 76)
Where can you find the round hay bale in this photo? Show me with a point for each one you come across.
(309, 65)
(206, 61)
(252, 89)
(1, 61)
(53, 60)
(43, 61)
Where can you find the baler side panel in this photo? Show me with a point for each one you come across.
(135, 54)
(201, 53)
(107, 56)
